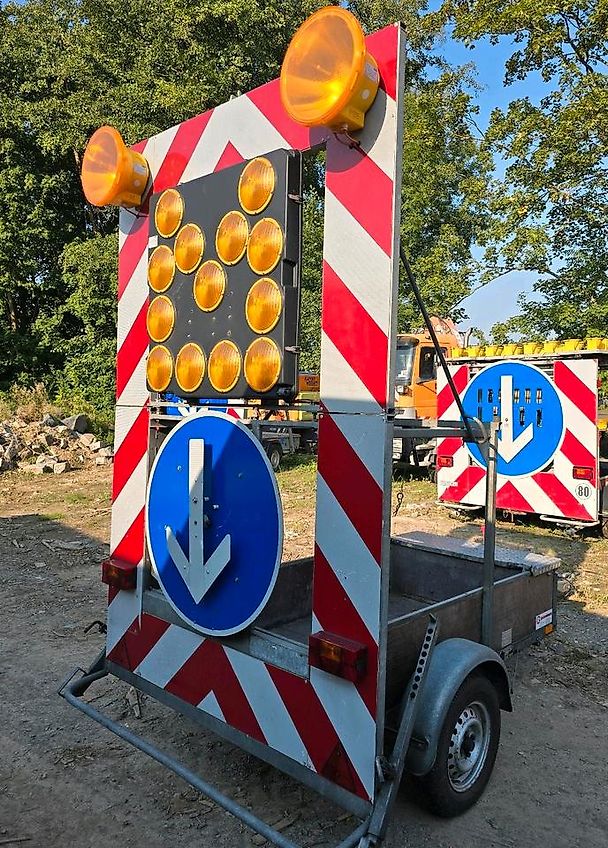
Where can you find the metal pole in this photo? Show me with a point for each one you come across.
(489, 538)
(438, 350)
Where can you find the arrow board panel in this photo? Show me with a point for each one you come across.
(530, 412)
(214, 523)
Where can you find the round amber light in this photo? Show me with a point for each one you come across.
(256, 185)
(265, 246)
(111, 172)
(263, 305)
(231, 237)
(161, 268)
(169, 212)
(224, 366)
(160, 319)
(209, 285)
(190, 367)
(328, 78)
(262, 364)
(159, 368)
(189, 247)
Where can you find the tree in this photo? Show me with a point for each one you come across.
(551, 209)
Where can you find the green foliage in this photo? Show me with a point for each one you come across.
(550, 211)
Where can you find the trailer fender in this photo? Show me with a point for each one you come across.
(451, 663)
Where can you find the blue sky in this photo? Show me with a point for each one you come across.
(498, 300)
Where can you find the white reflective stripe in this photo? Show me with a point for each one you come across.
(348, 556)
(270, 711)
(157, 149)
(164, 660)
(124, 419)
(129, 503)
(135, 392)
(352, 721)
(536, 497)
(357, 260)
(477, 494)
(133, 298)
(580, 426)
(240, 122)
(122, 612)
(379, 132)
(365, 434)
(341, 388)
(210, 705)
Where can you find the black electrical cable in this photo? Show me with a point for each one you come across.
(427, 320)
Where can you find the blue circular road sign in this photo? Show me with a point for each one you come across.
(214, 523)
(530, 411)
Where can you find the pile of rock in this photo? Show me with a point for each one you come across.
(53, 445)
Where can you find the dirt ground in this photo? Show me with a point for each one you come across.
(66, 781)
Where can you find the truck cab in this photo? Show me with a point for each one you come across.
(416, 371)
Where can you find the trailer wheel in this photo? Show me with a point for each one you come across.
(274, 454)
(466, 749)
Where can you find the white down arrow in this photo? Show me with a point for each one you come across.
(509, 447)
(198, 574)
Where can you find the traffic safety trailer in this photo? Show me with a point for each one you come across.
(342, 669)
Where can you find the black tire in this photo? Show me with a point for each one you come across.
(274, 454)
(458, 779)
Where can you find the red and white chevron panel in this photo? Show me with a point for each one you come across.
(329, 725)
(555, 492)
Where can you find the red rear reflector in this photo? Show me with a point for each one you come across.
(445, 462)
(337, 655)
(582, 472)
(119, 574)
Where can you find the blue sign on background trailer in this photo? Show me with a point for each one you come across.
(530, 411)
(214, 523)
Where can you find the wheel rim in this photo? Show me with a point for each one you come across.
(469, 746)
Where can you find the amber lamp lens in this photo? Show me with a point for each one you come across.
(209, 285)
(159, 368)
(224, 366)
(112, 174)
(231, 237)
(263, 305)
(160, 319)
(265, 246)
(327, 76)
(256, 185)
(169, 213)
(189, 247)
(190, 367)
(161, 268)
(262, 364)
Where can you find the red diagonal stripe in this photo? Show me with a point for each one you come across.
(130, 452)
(337, 614)
(131, 547)
(448, 447)
(445, 398)
(356, 335)
(353, 486)
(508, 497)
(138, 641)
(230, 156)
(366, 191)
(581, 395)
(209, 670)
(315, 729)
(131, 251)
(131, 351)
(383, 47)
(180, 151)
(562, 497)
(577, 453)
(459, 490)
